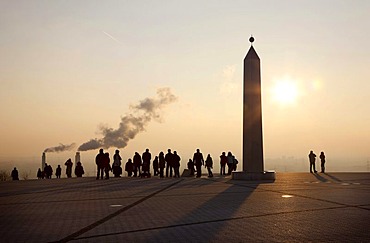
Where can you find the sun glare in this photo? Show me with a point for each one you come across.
(285, 92)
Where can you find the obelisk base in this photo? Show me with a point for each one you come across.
(253, 176)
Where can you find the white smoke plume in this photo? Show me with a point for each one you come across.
(133, 123)
(60, 148)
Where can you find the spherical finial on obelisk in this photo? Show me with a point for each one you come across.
(251, 40)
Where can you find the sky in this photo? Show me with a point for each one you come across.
(69, 69)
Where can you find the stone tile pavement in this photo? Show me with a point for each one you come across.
(296, 207)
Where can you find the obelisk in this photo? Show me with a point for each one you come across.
(253, 164)
(252, 113)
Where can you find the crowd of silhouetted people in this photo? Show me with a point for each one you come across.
(48, 170)
(163, 165)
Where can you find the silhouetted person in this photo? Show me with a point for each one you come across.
(235, 164)
(39, 174)
(322, 158)
(209, 165)
(161, 164)
(230, 162)
(198, 161)
(155, 166)
(223, 162)
(69, 164)
(106, 164)
(312, 158)
(169, 162)
(79, 170)
(14, 174)
(129, 167)
(99, 163)
(176, 164)
(48, 171)
(191, 167)
(147, 157)
(116, 166)
(137, 164)
(58, 171)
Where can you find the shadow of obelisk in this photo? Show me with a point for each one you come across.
(253, 164)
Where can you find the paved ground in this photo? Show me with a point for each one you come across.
(297, 207)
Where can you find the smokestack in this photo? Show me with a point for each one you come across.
(77, 158)
(43, 161)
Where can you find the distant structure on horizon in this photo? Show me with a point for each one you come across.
(43, 161)
(253, 164)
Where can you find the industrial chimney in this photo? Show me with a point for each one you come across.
(43, 161)
(77, 158)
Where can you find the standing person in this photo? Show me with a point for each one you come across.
(155, 166)
(69, 164)
(161, 164)
(15, 174)
(312, 158)
(235, 164)
(58, 172)
(106, 164)
(198, 161)
(39, 174)
(169, 162)
(129, 167)
(48, 171)
(230, 162)
(209, 165)
(176, 164)
(223, 162)
(147, 157)
(191, 167)
(322, 158)
(117, 170)
(137, 164)
(99, 164)
(79, 170)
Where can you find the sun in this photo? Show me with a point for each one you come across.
(285, 91)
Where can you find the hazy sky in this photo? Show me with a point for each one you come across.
(69, 67)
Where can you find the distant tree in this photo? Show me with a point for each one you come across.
(4, 175)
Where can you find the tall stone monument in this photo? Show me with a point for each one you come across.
(253, 164)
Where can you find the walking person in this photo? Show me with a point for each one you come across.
(69, 165)
(223, 162)
(198, 161)
(99, 163)
(322, 158)
(209, 165)
(161, 164)
(169, 162)
(116, 166)
(176, 164)
(312, 158)
(79, 170)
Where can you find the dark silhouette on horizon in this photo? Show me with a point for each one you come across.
(223, 162)
(48, 170)
(146, 157)
(312, 158)
(40, 175)
(14, 174)
(176, 164)
(116, 166)
(191, 167)
(106, 165)
(137, 164)
(161, 164)
(155, 166)
(129, 167)
(198, 161)
(69, 164)
(209, 165)
(58, 171)
(322, 159)
(79, 170)
(169, 162)
(99, 163)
